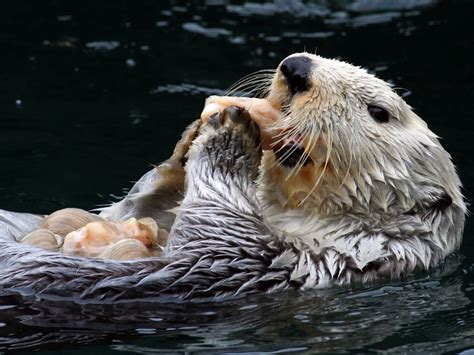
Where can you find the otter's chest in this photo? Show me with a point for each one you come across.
(333, 238)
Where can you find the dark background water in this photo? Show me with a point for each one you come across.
(93, 92)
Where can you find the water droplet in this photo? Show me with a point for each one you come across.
(250, 306)
(188, 328)
(103, 45)
(130, 63)
(145, 330)
(7, 306)
(237, 40)
(302, 318)
(208, 313)
(64, 18)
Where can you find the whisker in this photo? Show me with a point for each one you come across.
(285, 135)
(296, 169)
(244, 86)
(261, 86)
(251, 79)
(328, 154)
(312, 132)
(248, 89)
(260, 73)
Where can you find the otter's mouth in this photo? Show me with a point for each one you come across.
(291, 153)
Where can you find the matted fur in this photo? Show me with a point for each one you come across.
(374, 193)
(367, 206)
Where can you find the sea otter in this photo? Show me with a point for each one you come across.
(351, 186)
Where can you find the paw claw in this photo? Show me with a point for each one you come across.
(236, 114)
(215, 120)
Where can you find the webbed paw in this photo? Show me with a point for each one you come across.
(231, 140)
(236, 122)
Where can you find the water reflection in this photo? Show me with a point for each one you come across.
(329, 320)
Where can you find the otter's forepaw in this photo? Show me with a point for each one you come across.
(236, 121)
(230, 140)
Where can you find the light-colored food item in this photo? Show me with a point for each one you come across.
(125, 249)
(93, 239)
(67, 220)
(143, 229)
(43, 238)
(78, 232)
(262, 111)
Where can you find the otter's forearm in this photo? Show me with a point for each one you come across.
(220, 220)
(223, 163)
(160, 190)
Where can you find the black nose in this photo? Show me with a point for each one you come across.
(297, 73)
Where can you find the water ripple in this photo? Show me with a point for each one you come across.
(103, 45)
(207, 32)
(296, 8)
(189, 89)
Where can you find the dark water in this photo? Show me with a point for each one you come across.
(91, 93)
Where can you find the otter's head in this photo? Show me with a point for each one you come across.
(349, 145)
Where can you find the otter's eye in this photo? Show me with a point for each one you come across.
(379, 114)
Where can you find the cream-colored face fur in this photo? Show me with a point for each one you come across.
(356, 164)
